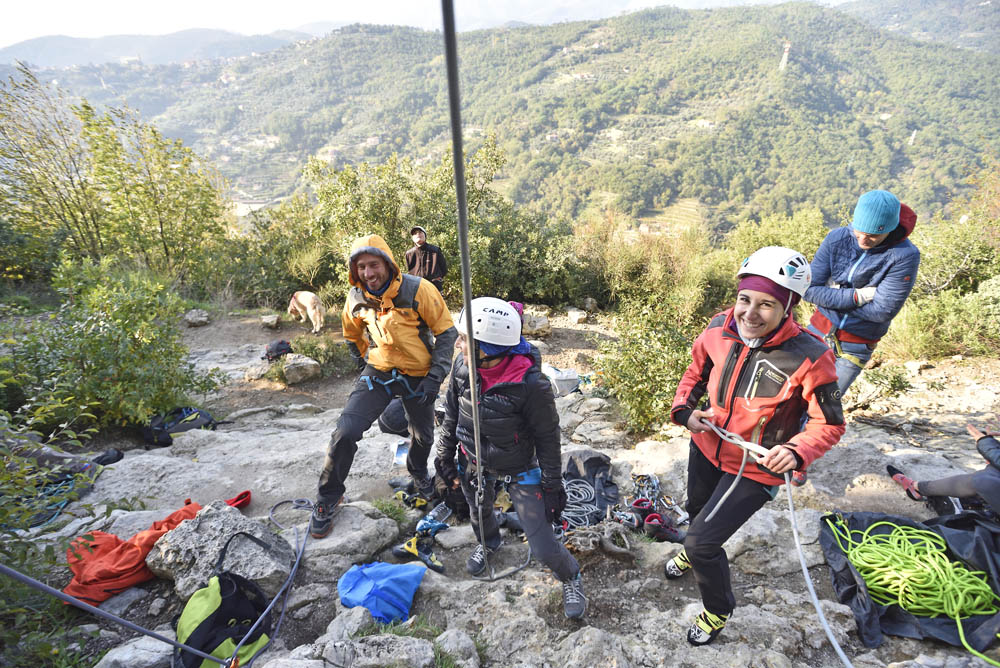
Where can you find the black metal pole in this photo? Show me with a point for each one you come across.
(458, 158)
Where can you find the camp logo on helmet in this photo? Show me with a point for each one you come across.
(496, 310)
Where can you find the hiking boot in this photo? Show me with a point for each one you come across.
(424, 487)
(476, 563)
(908, 484)
(706, 627)
(404, 483)
(799, 478)
(574, 602)
(322, 518)
(677, 566)
(661, 529)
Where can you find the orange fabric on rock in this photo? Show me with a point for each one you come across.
(108, 565)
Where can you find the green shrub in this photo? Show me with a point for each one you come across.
(391, 509)
(114, 346)
(33, 624)
(330, 351)
(643, 367)
(945, 324)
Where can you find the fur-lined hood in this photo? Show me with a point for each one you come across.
(372, 244)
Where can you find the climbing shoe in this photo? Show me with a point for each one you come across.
(415, 501)
(799, 478)
(661, 529)
(503, 501)
(642, 508)
(909, 485)
(476, 563)
(706, 627)
(574, 602)
(322, 518)
(677, 566)
(419, 547)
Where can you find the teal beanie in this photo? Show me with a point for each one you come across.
(877, 212)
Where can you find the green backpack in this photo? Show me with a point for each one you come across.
(220, 614)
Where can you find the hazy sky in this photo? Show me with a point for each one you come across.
(26, 19)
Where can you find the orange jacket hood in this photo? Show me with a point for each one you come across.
(372, 244)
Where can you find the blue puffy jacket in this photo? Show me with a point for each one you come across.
(891, 267)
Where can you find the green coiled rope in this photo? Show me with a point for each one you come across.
(910, 568)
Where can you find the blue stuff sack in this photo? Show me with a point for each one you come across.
(385, 589)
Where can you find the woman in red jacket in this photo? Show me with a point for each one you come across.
(756, 373)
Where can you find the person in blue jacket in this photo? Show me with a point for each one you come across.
(861, 276)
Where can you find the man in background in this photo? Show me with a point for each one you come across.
(425, 260)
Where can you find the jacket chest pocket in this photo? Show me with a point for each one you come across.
(766, 381)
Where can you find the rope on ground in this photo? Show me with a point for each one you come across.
(580, 509)
(910, 568)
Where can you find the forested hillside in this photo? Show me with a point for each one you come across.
(970, 24)
(635, 111)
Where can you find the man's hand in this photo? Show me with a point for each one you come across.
(864, 295)
(695, 424)
(428, 389)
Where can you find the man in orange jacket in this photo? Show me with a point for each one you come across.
(403, 325)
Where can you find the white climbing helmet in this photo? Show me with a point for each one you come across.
(786, 267)
(493, 321)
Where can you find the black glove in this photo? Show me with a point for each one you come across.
(428, 389)
(446, 470)
(554, 499)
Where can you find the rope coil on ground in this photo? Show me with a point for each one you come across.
(910, 568)
(580, 510)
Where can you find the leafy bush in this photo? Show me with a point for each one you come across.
(331, 353)
(115, 345)
(948, 323)
(643, 367)
(960, 251)
(32, 624)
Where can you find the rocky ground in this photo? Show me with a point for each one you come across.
(275, 446)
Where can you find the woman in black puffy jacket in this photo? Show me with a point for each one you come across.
(519, 442)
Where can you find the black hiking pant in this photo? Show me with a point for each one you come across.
(527, 500)
(703, 544)
(372, 392)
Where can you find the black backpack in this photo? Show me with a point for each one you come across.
(276, 349)
(160, 428)
(218, 615)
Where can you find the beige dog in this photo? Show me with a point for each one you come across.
(305, 304)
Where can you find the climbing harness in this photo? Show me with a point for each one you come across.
(757, 451)
(909, 567)
(395, 377)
